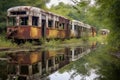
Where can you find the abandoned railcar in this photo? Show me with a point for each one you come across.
(79, 29)
(26, 22)
(32, 23)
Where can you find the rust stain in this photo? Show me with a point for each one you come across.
(33, 32)
(52, 33)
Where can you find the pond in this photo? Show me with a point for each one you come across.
(88, 62)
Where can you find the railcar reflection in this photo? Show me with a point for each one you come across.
(36, 65)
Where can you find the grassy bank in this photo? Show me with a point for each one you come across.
(63, 43)
(99, 38)
(4, 43)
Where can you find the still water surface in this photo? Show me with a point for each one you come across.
(70, 63)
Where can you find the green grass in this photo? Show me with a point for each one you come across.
(98, 38)
(52, 43)
(73, 40)
(6, 43)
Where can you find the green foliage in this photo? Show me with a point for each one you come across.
(6, 43)
(73, 40)
(52, 43)
(62, 9)
(26, 44)
(110, 8)
(99, 39)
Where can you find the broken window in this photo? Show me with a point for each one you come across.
(50, 23)
(23, 20)
(75, 27)
(50, 63)
(18, 12)
(61, 25)
(71, 27)
(11, 21)
(56, 60)
(24, 69)
(56, 24)
(35, 21)
(35, 69)
(12, 69)
(61, 57)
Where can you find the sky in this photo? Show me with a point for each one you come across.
(56, 2)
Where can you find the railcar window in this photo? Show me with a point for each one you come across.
(24, 70)
(56, 60)
(18, 12)
(75, 27)
(11, 21)
(50, 23)
(12, 69)
(61, 25)
(23, 20)
(80, 28)
(70, 26)
(56, 24)
(67, 26)
(35, 69)
(35, 21)
(50, 63)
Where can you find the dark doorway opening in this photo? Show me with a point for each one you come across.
(43, 28)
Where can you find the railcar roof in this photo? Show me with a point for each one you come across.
(18, 8)
(81, 23)
(31, 8)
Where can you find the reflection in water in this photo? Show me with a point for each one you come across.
(50, 65)
(93, 66)
(72, 75)
(36, 65)
(3, 70)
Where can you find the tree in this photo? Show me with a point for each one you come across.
(110, 8)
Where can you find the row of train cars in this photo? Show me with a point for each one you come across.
(32, 23)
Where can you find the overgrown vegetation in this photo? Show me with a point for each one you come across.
(6, 43)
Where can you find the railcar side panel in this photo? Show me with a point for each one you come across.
(23, 32)
(52, 33)
(35, 32)
(61, 34)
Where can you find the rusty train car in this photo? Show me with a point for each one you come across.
(32, 23)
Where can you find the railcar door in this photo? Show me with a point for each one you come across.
(43, 28)
(43, 32)
(68, 31)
